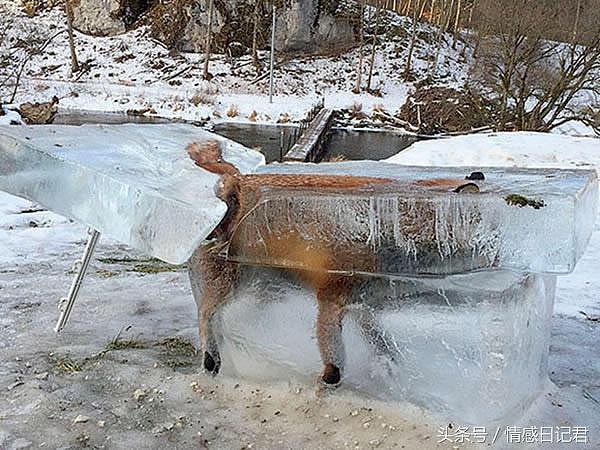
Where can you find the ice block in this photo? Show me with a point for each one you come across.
(134, 183)
(471, 348)
(523, 219)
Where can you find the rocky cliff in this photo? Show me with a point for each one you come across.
(310, 26)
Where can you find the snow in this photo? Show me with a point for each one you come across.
(133, 72)
(579, 291)
(10, 117)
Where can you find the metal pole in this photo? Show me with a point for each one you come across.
(67, 307)
(272, 57)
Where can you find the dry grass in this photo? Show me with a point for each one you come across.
(232, 111)
(66, 364)
(284, 118)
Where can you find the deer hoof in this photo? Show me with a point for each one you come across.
(331, 375)
(210, 364)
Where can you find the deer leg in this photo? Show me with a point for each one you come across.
(331, 299)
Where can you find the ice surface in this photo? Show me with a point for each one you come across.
(470, 347)
(134, 183)
(415, 227)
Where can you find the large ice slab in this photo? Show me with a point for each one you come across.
(134, 183)
(523, 219)
(472, 347)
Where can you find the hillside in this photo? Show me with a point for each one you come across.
(133, 71)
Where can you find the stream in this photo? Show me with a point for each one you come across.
(344, 142)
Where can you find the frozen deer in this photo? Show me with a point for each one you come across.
(214, 276)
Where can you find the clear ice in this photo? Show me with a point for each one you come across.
(414, 228)
(470, 347)
(133, 183)
(452, 309)
(454, 291)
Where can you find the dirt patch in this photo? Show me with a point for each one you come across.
(437, 109)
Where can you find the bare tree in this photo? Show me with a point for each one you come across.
(456, 24)
(576, 23)
(532, 82)
(207, 53)
(19, 43)
(69, 14)
(433, 63)
(361, 38)
(374, 44)
(257, 7)
(413, 38)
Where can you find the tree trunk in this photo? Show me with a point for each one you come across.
(374, 46)
(356, 89)
(456, 24)
(576, 24)
(471, 9)
(205, 73)
(440, 32)
(69, 14)
(413, 38)
(407, 8)
(255, 35)
(422, 11)
(432, 12)
(449, 16)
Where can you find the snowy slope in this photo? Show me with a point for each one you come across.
(133, 71)
(577, 292)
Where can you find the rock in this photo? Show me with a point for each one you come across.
(42, 376)
(39, 113)
(302, 25)
(108, 17)
(139, 395)
(316, 26)
(81, 419)
(101, 423)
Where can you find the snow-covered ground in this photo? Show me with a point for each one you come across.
(133, 72)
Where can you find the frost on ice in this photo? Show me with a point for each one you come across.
(134, 183)
(413, 226)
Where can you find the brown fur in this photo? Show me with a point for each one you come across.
(241, 193)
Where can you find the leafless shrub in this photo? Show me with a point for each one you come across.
(534, 83)
(18, 45)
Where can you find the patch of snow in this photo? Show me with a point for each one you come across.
(10, 118)
(575, 128)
